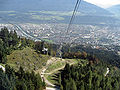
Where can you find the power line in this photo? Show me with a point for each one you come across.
(74, 13)
(78, 2)
(70, 23)
(77, 7)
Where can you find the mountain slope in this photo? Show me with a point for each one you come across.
(51, 5)
(27, 58)
(42, 11)
(115, 9)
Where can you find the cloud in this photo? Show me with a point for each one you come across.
(104, 3)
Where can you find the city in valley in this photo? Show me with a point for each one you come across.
(95, 35)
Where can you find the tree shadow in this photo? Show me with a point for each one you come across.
(55, 78)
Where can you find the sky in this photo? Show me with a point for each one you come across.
(104, 3)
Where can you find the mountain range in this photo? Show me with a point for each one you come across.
(60, 11)
(50, 5)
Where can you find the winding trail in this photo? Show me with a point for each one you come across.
(3, 68)
(108, 70)
(46, 81)
(49, 88)
(51, 61)
(42, 73)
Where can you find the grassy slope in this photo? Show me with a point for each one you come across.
(27, 58)
(59, 63)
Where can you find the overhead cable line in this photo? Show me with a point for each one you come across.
(70, 23)
(74, 13)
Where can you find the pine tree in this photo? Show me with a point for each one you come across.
(116, 85)
(38, 82)
(90, 79)
(61, 87)
(82, 86)
(59, 78)
(73, 85)
(108, 84)
(21, 73)
(30, 85)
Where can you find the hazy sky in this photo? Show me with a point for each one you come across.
(104, 3)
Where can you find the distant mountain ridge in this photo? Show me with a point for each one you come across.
(26, 9)
(115, 9)
(50, 5)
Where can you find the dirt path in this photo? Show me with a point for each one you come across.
(42, 72)
(46, 81)
(2, 68)
(108, 70)
(56, 70)
(49, 88)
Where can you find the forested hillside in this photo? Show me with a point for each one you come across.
(107, 56)
(14, 53)
(8, 42)
(89, 77)
(20, 80)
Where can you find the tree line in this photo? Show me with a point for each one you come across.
(81, 55)
(110, 57)
(8, 42)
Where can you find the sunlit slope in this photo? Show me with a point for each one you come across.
(27, 58)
